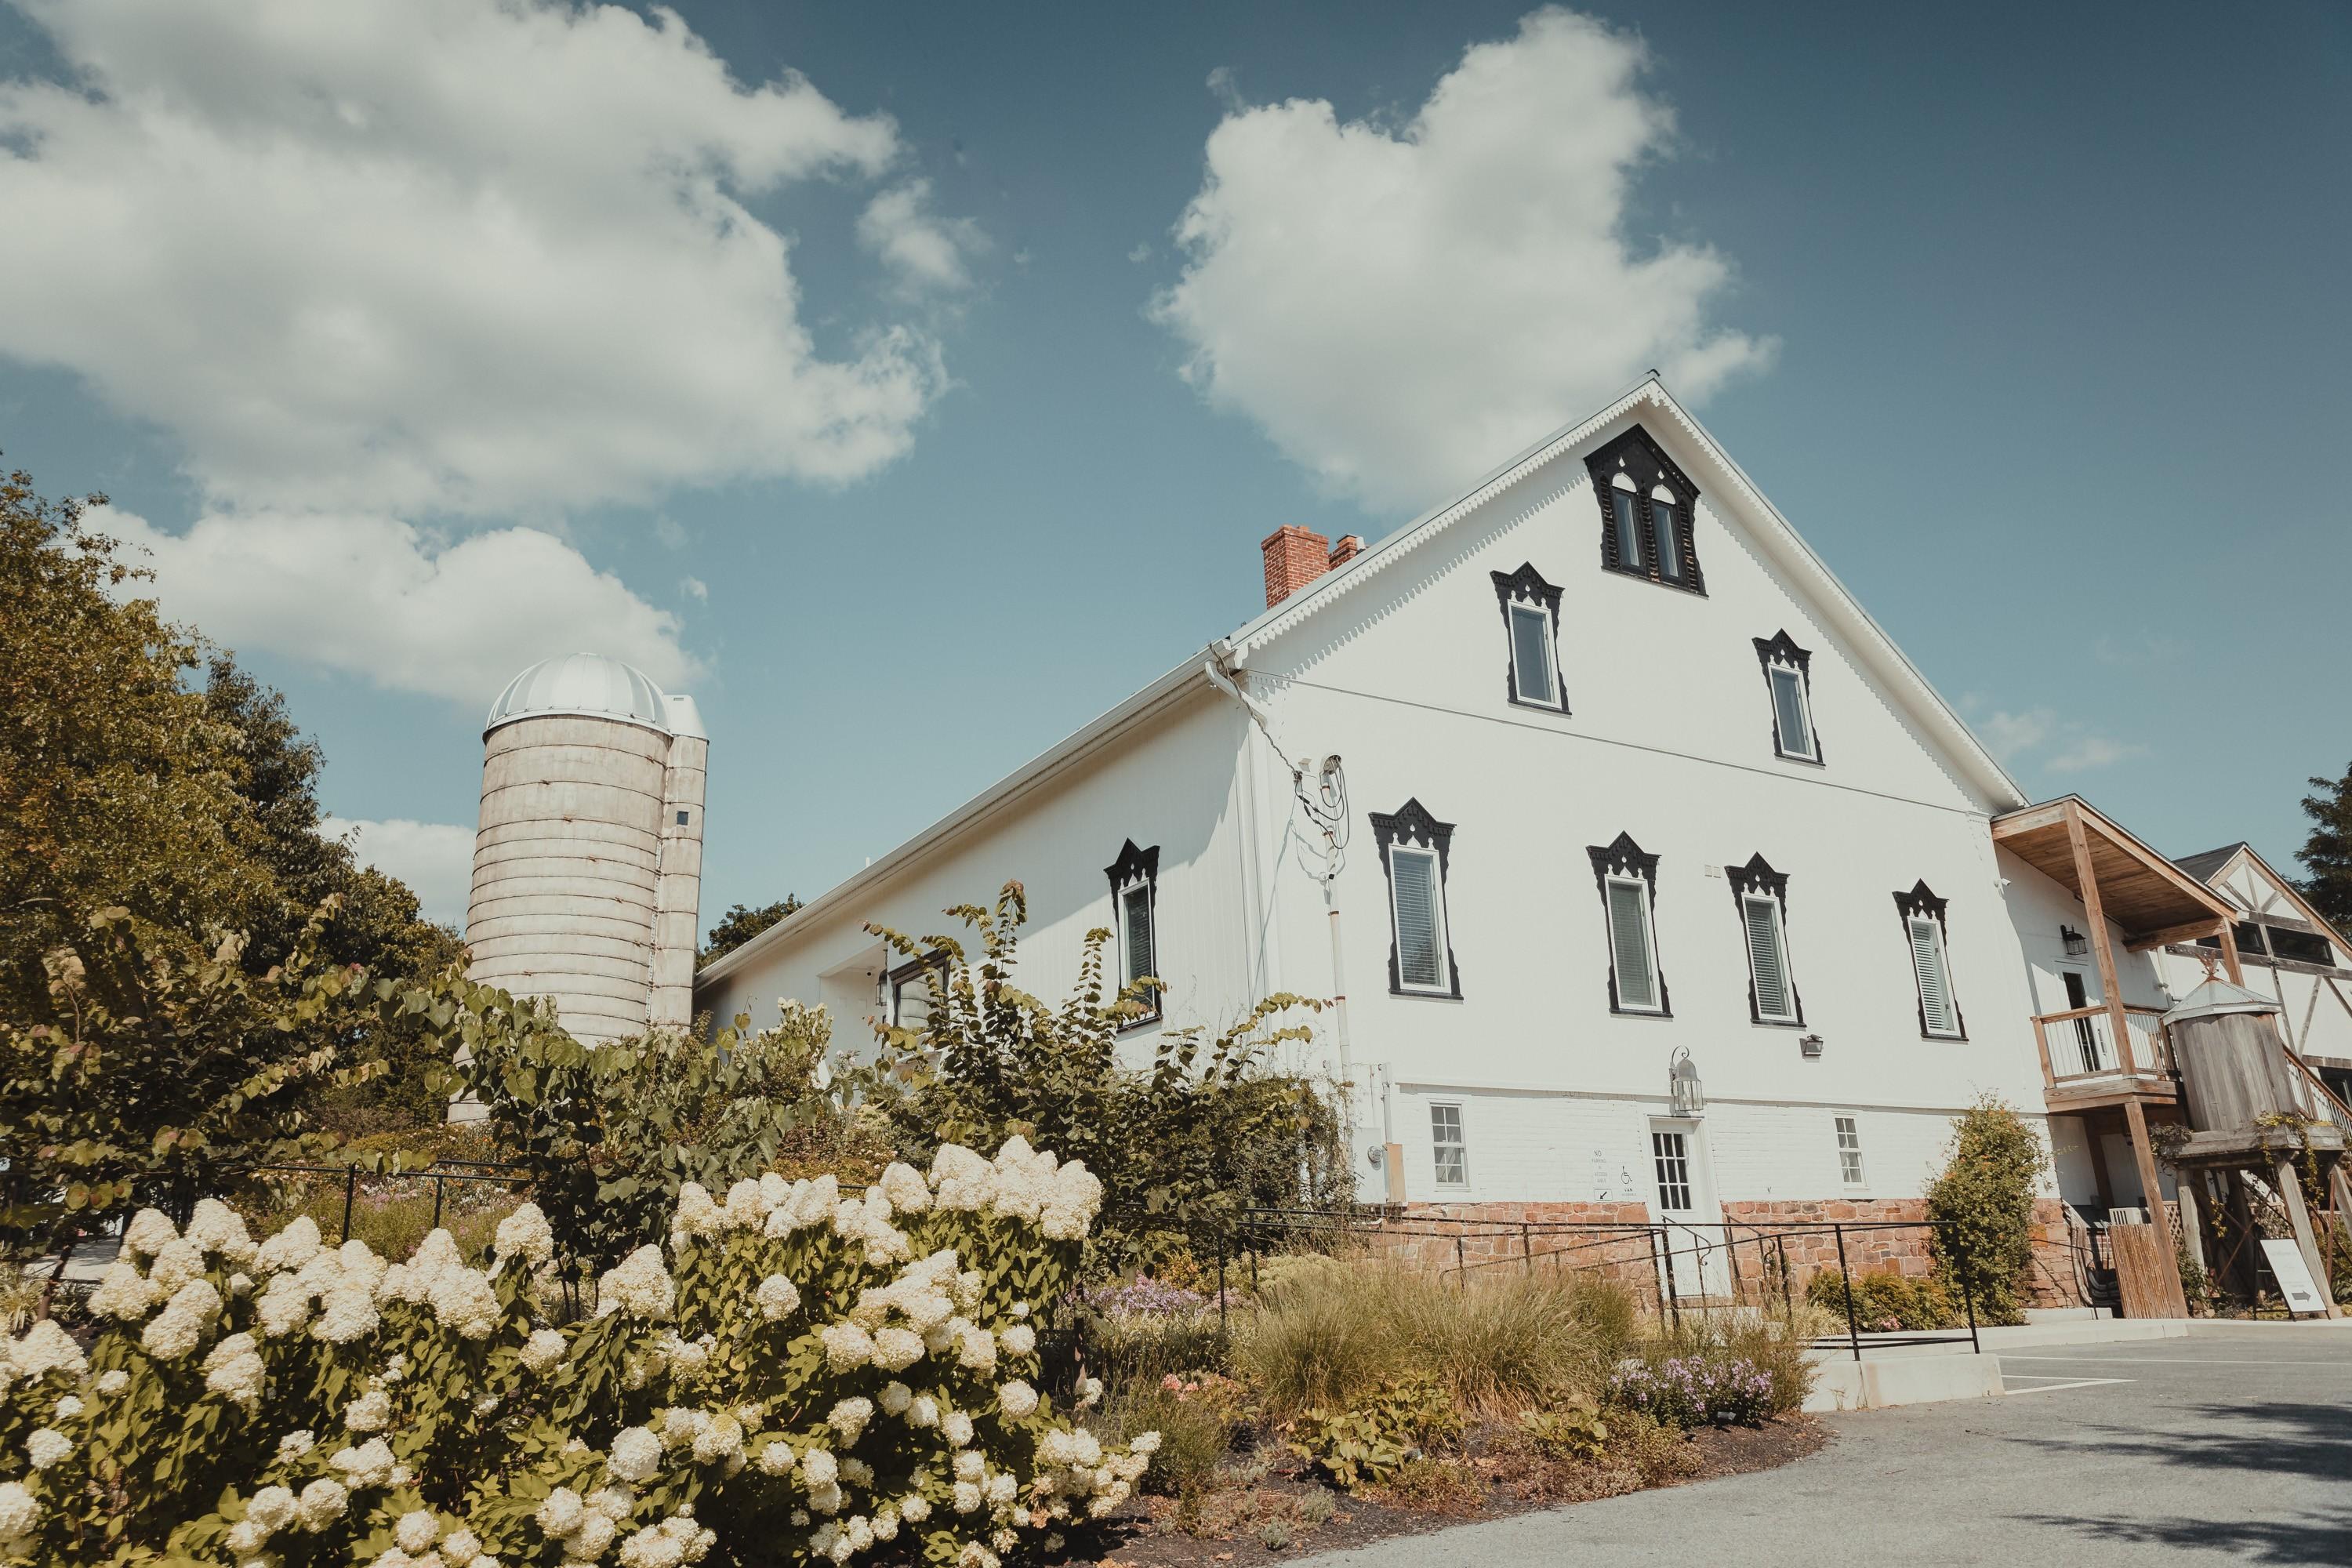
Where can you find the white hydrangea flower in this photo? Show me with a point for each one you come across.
(461, 1548)
(46, 1447)
(957, 1428)
(720, 1439)
(1018, 1339)
(47, 1348)
(148, 1234)
(347, 1312)
(967, 1496)
(593, 1537)
(914, 1507)
(905, 1187)
(856, 1472)
(290, 1247)
(639, 1286)
(885, 1523)
(1090, 1393)
(271, 1508)
(560, 1514)
(747, 1206)
(357, 1261)
(637, 1454)
(960, 1180)
(777, 1297)
(416, 1530)
(172, 1333)
(542, 1351)
(970, 1464)
(525, 1235)
(1016, 1399)
(776, 1458)
(1001, 1488)
(845, 1346)
(321, 1503)
(114, 1383)
(826, 1498)
(896, 1398)
(178, 1261)
(849, 1417)
(369, 1465)
(679, 1426)
(976, 1350)
(896, 1349)
(233, 1371)
(1146, 1442)
(923, 1412)
(371, 1412)
(466, 1303)
(294, 1445)
(122, 1292)
(819, 1468)
(698, 1217)
(20, 1510)
(216, 1227)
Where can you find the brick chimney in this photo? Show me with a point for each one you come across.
(1294, 558)
(1350, 546)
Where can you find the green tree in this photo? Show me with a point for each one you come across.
(1982, 1206)
(1209, 1127)
(2327, 853)
(739, 924)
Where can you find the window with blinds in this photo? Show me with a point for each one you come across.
(1631, 952)
(1848, 1148)
(1938, 1016)
(1451, 1147)
(1419, 914)
(1792, 722)
(1531, 657)
(1768, 961)
(1138, 958)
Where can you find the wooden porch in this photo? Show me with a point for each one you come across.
(2113, 1057)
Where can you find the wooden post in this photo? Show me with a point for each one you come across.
(2118, 1021)
(2290, 1190)
(2230, 954)
(2192, 1234)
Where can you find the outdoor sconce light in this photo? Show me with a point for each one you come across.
(2077, 944)
(1811, 1045)
(1684, 1090)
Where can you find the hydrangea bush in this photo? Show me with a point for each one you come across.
(801, 1377)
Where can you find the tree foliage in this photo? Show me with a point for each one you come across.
(739, 924)
(1209, 1127)
(2327, 853)
(1983, 1206)
(611, 1134)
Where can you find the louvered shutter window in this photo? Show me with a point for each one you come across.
(1788, 711)
(1767, 964)
(1934, 982)
(1670, 549)
(1421, 946)
(1135, 918)
(1629, 937)
(1626, 508)
(1531, 654)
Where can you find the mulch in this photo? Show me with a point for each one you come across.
(1147, 1535)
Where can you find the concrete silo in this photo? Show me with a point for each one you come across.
(588, 864)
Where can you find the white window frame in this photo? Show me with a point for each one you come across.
(1847, 1133)
(1802, 748)
(1912, 924)
(1141, 885)
(1780, 948)
(1438, 1147)
(1644, 902)
(1548, 640)
(930, 970)
(1443, 985)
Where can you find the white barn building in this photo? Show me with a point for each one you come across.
(1626, 779)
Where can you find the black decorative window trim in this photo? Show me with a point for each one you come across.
(1921, 903)
(937, 962)
(1412, 827)
(1527, 586)
(1642, 460)
(1757, 879)
(1781, 650)
(1621, 857)
(1135, 867)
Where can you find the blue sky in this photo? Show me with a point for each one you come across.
(884, 406)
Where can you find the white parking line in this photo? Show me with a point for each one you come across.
(2059, 1387)
(2172, 1361)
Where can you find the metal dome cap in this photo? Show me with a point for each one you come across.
(588, 684)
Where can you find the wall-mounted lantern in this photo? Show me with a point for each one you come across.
(1811, 1045)
(2077, 944)
(1684, 1090)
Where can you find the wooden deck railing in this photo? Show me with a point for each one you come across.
(2081, 1055)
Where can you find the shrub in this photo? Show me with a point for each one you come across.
(1983, 1206)
(1884, 1301)
(1143, 1331)
(1371, 1438)
(1274, 1535)
(1435, 1485)
(1327, 1336)
(1573, 1430)
(1196, 1418)
(799, 1378)
(1776, 1350)
(1699, 1390)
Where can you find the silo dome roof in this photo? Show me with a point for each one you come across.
(585, 683)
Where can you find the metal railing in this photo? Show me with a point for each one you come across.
(1673, 1267)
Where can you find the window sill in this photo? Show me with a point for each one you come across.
(1640, 576)
(1945, 1039)
(1778, 1023)
(1793, 757)
(1638, 1013)
(1556, 710)
(1420, 996)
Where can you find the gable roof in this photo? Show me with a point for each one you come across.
(2209, 867)
(2208, 864)
(1841, 611)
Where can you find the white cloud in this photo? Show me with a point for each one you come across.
(924, 252)
(695, 588)
(456, 255)
(377, 599)
(1401, 310)
(1141, 253)
(434, 859)
(2058, 744)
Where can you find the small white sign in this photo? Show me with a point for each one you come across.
(2286, 1259)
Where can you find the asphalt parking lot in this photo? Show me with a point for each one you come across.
(2227, 1447)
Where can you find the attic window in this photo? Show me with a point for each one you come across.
(1135, 917)
(1647, 509)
